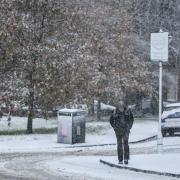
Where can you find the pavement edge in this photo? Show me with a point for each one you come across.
(140, 170)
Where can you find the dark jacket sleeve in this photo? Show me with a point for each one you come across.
(1, 114)
(111, 120)
(129, 118)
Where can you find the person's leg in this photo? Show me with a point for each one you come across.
(126, 147)
(119, 147)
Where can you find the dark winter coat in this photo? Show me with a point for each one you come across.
(1, 114)
(129, 118)
(122, 121)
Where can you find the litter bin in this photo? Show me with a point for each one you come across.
(71, 126)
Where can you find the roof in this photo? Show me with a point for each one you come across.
(66, 110)
(173, 105)
(165, 114)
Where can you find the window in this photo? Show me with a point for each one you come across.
(64, 114)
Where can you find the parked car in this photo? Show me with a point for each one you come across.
(170, 119)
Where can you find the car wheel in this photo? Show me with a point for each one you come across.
(163, 133)
(171, 133)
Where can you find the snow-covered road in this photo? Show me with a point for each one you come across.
(89, 166)
(75, 164)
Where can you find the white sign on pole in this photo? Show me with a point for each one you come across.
(159, 46)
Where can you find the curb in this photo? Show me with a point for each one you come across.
(144, 140)
(140, 170)
(112, 144)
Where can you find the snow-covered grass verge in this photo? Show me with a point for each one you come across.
(20, 123)
(102, 134)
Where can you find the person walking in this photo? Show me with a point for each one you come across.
(121, 121)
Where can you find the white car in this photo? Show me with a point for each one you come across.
(170, 119)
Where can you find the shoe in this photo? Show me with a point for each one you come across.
(126, 162)
(120, 162)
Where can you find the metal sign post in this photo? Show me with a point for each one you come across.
(159, 53)
(160, 138)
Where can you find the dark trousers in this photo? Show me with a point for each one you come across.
(122, 146)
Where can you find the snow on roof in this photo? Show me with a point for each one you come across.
(66, 110)
(172, 105)
(167, 113)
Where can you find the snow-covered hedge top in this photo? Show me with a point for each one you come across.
(107, 107)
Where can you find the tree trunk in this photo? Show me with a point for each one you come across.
(178, 78)
(178, 84)
(99, 110)
(91, 111)
(31, 101)
(30, 113)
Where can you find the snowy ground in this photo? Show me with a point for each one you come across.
(97, 133)
(40, 157)
(163, 162)
(20, 123)
(92, 167)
